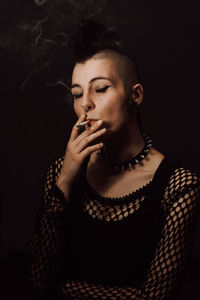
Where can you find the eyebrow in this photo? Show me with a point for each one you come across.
(92, 80)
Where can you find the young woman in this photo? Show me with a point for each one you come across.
(118, 216)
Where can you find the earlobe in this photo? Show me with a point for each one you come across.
(137, 103)
(137, 93)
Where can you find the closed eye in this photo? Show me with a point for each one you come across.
(102, 90)
(76, 96)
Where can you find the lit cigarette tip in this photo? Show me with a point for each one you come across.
(82, 124)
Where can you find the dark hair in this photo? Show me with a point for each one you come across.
(94, 38)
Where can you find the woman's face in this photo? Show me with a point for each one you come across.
(98, 89)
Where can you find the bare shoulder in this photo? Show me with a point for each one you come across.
(153, 160)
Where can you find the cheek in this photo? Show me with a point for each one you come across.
(113, 112)
(114, 116)
(117, 109)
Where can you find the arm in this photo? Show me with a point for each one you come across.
(173, 253)
(45, 249)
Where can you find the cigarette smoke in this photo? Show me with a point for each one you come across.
(39, 30)
(40, 33)
(40, 2)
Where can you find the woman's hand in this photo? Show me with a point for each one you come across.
(78, 148)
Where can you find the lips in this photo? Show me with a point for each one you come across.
(91, 121)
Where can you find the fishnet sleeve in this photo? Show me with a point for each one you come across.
(45, 249)
(172, 257)
(181, 204)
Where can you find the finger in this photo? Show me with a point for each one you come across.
(87, 151)
(89, 139)
(88, 131)
(76, 130)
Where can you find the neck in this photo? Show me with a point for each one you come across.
(123, 145)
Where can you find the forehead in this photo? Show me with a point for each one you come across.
(95, 67)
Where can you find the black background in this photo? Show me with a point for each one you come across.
(164, 37)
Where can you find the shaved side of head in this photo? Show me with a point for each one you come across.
(126, 67)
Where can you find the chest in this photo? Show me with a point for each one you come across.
(117, 185)
(116, 251)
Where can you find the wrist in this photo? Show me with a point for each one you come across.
(64, 187)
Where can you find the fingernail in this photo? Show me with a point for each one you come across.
(99, 122)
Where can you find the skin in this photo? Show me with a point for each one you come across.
(106, 99)
(98, 90)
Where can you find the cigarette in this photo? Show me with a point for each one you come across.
(82, 124)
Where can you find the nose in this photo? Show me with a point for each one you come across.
(87, 104)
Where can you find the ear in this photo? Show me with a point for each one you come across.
(137, 93)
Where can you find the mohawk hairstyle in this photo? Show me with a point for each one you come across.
(93, 37)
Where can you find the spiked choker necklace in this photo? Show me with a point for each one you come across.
(129, 164)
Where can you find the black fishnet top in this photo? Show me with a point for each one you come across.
(133, 247)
